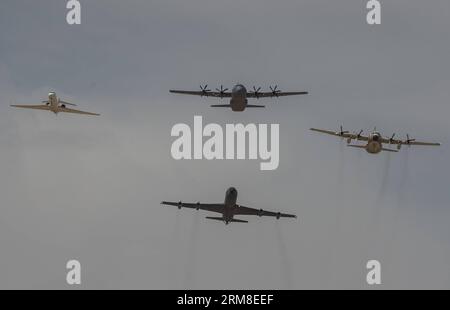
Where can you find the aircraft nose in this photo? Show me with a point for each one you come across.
(239, 89)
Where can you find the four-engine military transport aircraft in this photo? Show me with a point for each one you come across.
(228, 209)
(55, 105)
(374, 140)
(238, 95)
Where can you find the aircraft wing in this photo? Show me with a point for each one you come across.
(214, 207)
(36, 107)
(421, 143)
(344, 134)
(397, 142)
(241, 210)
(329, 132)
(67, 110)
(277, 94)
(203, 93)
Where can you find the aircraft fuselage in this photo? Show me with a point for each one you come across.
(238, 100)
(53, 101)
(230, 204)
(374, 145)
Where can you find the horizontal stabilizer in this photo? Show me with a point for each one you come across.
(389, 150)
(221, 106)
(357, 146)
(238, 221)
(215, 218)
(67, 103)
(254, 106)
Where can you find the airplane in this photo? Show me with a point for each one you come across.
(228, 209)
(238, 95)
(374, 140)
(55, 105)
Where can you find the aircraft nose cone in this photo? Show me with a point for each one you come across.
(232, 191)
(239, 89)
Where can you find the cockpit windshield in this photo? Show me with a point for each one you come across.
(376, 136)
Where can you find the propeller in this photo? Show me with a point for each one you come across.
(204, 89)
(256, 91)
(408, 140)
(355, 136)
(358, 136)
(274, 90)
(221, 91)
(391, 139)
(341, 131)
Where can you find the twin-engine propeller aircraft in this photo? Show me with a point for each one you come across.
(374, 140)
(55, 105)
(228, 209)
(238, 95)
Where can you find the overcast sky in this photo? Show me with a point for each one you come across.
(75, 187)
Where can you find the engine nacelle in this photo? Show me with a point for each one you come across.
(278, 215)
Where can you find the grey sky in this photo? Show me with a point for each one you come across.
(74, 187)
